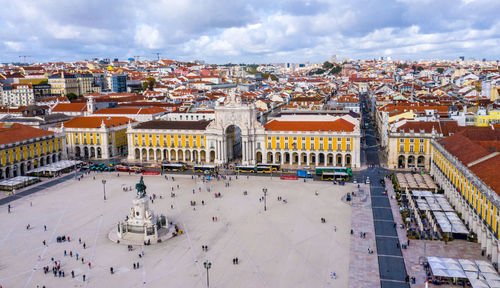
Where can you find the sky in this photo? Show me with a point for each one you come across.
(248, 31)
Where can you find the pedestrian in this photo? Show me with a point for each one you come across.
(83, 277)
(111, 270)
(45, 227)
(80, 240)
(335, 228)
(44, 242)
(8, 208)
(72, 274)
(82, 260)
(138, 262)
(84, 245)
(64, 252)
(134, 265)
(90, 265)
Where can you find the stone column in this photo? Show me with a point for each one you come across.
(483, 238)
(489, 244)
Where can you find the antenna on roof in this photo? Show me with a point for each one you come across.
(157, 55)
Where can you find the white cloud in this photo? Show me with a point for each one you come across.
(257, 31)
(147, 36)
(14, 46)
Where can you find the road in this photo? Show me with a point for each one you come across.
(390, 259)
(35, 189)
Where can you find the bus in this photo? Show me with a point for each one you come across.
(245, 169)
(205, 169)
(333, 176)
(321, 170)
(263, 169)
(174, 166)
(274, 167)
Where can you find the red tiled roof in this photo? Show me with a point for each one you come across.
(337, 125)
(131, 110)
(14, 132)
(95, 122)
(70, 107)
(487, 171)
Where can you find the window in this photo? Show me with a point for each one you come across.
(348, 147)
(411, 149)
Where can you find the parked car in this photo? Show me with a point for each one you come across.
(367, 180)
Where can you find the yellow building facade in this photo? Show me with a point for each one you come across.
(24, 148)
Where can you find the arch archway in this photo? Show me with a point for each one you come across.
(286, 157)
(7, 172)
(78, 151)
(339, 160)
(187, 155)
(165, 154)
(295, 158)
(42, 161)
(180, 155)
(203, 156)
(195, 157)
(330, 158)
(22, 169)
(233, 141)
(173, 155)
(54, 158)
(212, 156)
(92, 152)
(348, 160)
(401, 161)
(158, 154)
(321, 159)
(15, 171)
(270, 158)
(137, 154)
(151, 155)
(411, 161)
(144, 154)
(1, 173)
(85, 152)
(258, 157)
(278, 157)
(99, 152)
(303, 156)
(312, 157)
(48, 160)
(421, 161)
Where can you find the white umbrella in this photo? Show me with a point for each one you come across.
(456, 273)
(478, 283)
(487, 269)
(491, 276)
(493, 283)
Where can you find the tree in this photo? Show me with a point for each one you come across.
(420, 68)
(71, 96)
(336, 70)
(327, 65)
(149, 84)
(440, 70)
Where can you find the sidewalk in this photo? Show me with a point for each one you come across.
(363, 267)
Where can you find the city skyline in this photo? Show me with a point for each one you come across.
(257, 32)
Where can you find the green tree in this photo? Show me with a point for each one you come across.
(336, 70)
(440, 70)
(149, 84)
(71, 96)
(327, 65)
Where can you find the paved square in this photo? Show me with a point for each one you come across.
(285, 246)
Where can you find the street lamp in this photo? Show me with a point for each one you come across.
(104, 188)
(207, 266)
(265, 194)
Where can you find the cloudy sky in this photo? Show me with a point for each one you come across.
(251, 31)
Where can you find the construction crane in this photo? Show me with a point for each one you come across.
(24, 57)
